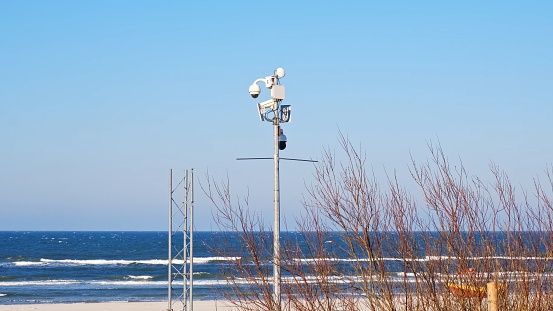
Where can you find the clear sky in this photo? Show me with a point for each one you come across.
(99, 99)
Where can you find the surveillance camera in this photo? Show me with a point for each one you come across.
(282, 140)
(254, 90)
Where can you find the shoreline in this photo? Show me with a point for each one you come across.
(207, 305)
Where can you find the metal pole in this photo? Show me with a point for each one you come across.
(276, 229)
(191, 237)
(169, 262)
(185, 239)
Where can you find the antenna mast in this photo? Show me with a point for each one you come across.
(180, 242)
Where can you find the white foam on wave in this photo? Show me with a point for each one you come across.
(41, 283)
(206, 260)
(46, 283)
(2, 295)
(100, 262)
(422, 259)
(134, 281)
(128, 283)
(28, 263)
(200, 260)
(140, 277)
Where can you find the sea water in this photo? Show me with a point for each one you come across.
(69, 267)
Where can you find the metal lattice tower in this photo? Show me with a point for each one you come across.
(181, 221)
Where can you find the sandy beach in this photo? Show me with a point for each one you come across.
(202, 305)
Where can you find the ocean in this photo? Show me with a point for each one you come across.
(71, 267)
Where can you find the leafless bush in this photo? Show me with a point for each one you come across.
(365, 245)
(248, 278)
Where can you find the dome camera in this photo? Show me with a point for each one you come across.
(282, 140)
(254, 90)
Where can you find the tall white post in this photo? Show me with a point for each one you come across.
(191, 239)
(276, 228)
(185, 241)
(170, 243)
(277, 95)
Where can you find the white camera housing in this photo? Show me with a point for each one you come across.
(254, 90)
(278, 92)
(271, 82)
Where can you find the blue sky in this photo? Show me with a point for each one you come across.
(99, 99)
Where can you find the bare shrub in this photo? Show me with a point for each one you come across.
(365, 245)
(248, 278)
